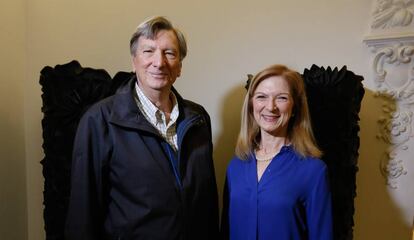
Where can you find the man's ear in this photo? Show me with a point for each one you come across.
(133, 64)
(179, 72)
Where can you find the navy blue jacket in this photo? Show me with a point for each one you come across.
(123, 182)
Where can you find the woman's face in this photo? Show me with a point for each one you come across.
(272, 106)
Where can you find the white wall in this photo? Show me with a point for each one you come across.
(227, 40)
(13, 210)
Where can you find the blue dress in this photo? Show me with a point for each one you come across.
(292, 200)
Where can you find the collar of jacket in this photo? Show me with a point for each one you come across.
(126, 113)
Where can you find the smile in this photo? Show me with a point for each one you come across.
(158, 74)
(270, 118)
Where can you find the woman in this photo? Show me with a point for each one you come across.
(276, 187)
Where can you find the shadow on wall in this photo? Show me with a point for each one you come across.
(377, 214)
(226, 141)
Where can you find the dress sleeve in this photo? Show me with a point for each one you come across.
(85, 215)
(319, 208)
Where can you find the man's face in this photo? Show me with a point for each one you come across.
(157, 62)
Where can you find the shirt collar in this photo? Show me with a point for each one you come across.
(151, 111)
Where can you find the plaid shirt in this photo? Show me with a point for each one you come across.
(157, 117)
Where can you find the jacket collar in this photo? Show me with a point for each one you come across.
(126, 113)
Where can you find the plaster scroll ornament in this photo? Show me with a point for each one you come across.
(392, 43)
(390, 63)
(393, 13)
(395, 131)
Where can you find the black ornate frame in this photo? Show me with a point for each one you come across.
(68, 91)
(334, 99)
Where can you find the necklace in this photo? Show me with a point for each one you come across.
(265, 155)
(264, 159)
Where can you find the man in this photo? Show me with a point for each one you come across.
(142, 161)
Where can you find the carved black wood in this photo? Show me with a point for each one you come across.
(334, 99)
(68, 91)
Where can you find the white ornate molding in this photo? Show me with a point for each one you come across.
(392, 44)
(380, 40)
(395, 130)
(393, 13)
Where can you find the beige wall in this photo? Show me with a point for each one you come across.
(227, 40)
(13, 210)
